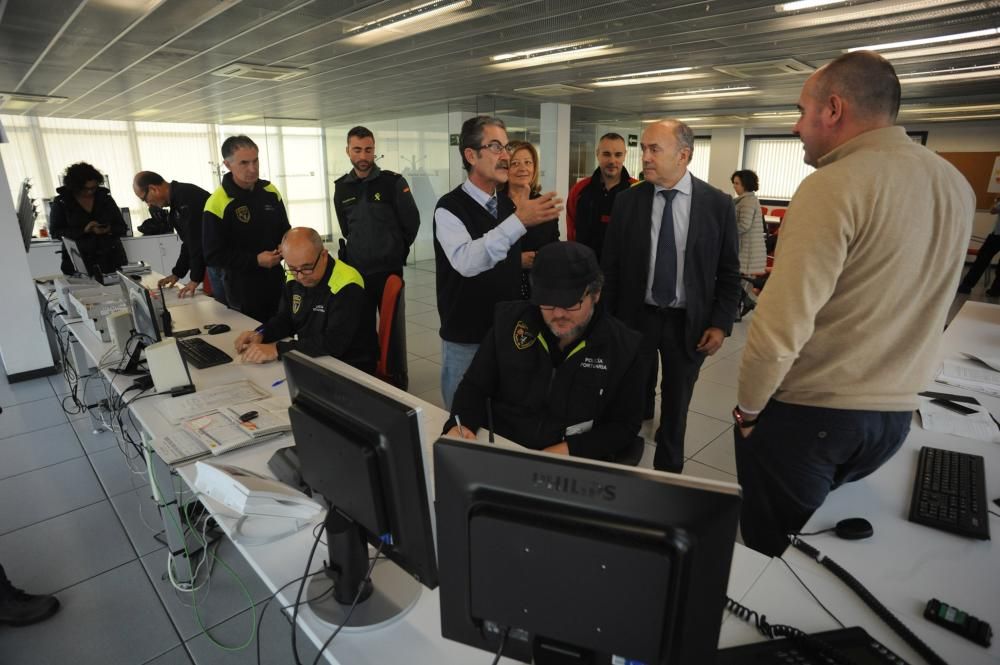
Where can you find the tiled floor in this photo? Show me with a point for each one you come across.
(77, 521)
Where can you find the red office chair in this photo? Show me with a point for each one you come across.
(392, 365)
(763, 210)
(206, 285)
(779, 213)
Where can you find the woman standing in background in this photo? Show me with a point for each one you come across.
(522, 185)
(750, 225)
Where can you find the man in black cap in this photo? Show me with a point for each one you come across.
(559, 374)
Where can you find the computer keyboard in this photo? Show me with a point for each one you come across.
(201, 354)
(949, 493)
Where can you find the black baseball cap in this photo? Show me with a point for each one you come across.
(561, 273)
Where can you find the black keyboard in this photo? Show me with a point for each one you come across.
(949, 493)
(849, 645)
(201, 354)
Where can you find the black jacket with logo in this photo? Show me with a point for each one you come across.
(538, 390)
(237, 225)
(378, 218)
(187, 204)
(333, 318)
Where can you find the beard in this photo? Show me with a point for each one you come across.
(573, 333)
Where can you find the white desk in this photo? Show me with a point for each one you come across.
(903, 564)
(415, 638)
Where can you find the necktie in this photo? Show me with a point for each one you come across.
(665, 270)
(491, 205)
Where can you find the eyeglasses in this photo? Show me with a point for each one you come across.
(145, 195)
(90, 189)
(571, 308)
(496, 147)
(307, 269)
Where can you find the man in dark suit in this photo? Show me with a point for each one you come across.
(672, 269)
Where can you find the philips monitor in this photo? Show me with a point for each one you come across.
(574, 561)
(362, 451)
(140, 304)
(75, 257)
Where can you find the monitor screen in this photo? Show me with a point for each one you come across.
(71, 248)
(575, 561)
(26, 213)
(141, 305)
(361, 449)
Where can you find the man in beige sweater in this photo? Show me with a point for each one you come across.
(846, 333)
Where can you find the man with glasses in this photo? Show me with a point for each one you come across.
(243, 223)
(324, 305)
(186, 203)
(377, 215)
(477, 250)
(560, 375)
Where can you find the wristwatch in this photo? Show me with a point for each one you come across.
(741, 421)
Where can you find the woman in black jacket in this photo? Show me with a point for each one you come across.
(522, 185)
(85, 212)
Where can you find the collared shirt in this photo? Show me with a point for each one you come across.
(470, 257)
(682, 218)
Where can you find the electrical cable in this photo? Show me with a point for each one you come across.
(818, 601)
(354, 604)
(298, 596)
(888, 617)
(267, 603)
(503, 643)
(994, 514)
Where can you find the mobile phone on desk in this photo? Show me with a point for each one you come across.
(953, 406)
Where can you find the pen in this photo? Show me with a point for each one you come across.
(277, 383)
(461, 431)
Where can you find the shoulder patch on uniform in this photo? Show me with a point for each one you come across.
(523, 337)
(243, 214)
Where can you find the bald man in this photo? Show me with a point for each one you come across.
(846, 333)
(323, 305)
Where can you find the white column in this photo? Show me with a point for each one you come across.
(727, 156)
(24, 347)
(554, 152)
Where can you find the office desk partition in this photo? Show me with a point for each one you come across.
(903, 564)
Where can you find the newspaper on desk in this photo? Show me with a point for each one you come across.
(974, 373)
(211, 399)
(979, 425)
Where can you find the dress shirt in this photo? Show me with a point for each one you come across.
(682, 218)
(470, 257)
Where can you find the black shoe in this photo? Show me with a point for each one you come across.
(964, 290)
(18, 608)
(748, 306)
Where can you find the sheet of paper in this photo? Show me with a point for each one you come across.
(986, 360)
(977, 425)
(205, 401)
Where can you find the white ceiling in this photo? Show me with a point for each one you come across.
(152, 59)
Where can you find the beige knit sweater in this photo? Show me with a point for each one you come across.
(867, 263)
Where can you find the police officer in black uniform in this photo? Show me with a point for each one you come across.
(242, 226)
(186, 203)
(377, 214)
(561, 375)
(324, 305)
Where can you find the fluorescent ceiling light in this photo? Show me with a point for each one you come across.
(144, 112)
(943, 49)
(775, 114)
(655, 76)
(926, 40)
(950, 109)
(410, 16)
(805, 4)
(544, 56)
(238, 118)
(957, 74)
(734, 91)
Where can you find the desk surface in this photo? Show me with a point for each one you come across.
(903, 564)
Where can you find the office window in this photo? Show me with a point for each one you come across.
(701, 157)
(20, 161)
(303, 177)
(777, 161)
(178, 151)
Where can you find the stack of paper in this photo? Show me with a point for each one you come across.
(979, 425)
(974, 374)
(223, 430)
(206, 401)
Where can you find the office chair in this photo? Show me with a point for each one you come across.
(392, 364)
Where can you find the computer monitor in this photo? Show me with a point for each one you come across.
(361, 450)
(26, 213)
(580, 561)
(140, 304)
(75, 257)
(127, 217)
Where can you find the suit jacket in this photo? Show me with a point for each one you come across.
(711, 260)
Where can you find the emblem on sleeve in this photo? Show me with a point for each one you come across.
(523, 337)
(296, 303)
(243, 214)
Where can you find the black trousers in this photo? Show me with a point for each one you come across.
(663, 332)
(986, 253)
(375, 285)
(797, 454)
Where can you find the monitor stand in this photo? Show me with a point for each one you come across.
(134, 360)
(387, 598)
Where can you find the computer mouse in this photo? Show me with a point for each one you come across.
(854, 528)
(217, 328)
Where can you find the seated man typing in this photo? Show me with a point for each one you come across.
(561, 375)
(323, 304)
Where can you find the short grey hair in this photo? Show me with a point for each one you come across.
(312, 235)
(234, 143)
(867, 80)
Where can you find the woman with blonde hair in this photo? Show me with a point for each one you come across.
(523, 185)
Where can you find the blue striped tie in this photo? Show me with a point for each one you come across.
(491, 205)
(665, 271)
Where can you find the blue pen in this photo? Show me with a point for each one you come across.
(277, 383)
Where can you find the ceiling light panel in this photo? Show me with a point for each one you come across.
(927, 40)
(708, 93)
(412, 21)
(805, 4)
(552, 54)
(957, 74)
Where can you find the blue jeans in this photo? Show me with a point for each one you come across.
(797, 454)
(455, 359)
(216, 277)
